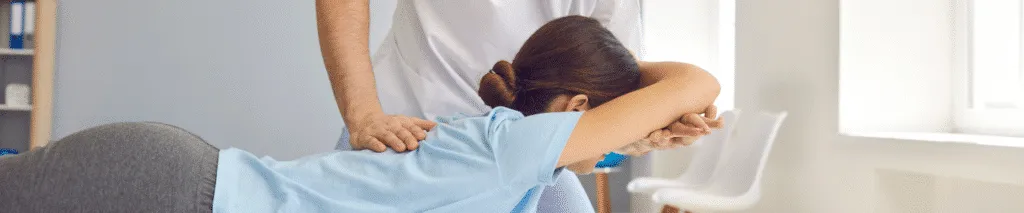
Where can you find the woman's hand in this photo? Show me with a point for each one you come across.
(683, 132)
(688, 129)
(379, 131)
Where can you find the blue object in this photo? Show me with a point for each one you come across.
(611, 160)
(17, 24)
(4, 151)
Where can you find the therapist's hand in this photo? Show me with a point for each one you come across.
(379, 131)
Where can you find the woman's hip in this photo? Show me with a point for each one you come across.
(116, 167)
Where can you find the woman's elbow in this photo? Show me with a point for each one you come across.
(714, 87)
(702, 80)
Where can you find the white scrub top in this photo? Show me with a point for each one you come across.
(431, 62)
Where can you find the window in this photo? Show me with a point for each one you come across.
(932, 71)
(990, 99)
(700, 32)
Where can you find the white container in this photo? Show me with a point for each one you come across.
(17, 95)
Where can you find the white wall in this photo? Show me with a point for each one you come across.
(788, 59)
(238, 73)
(897, 66)
(381, 15)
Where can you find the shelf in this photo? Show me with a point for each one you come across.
(9, 51)
(5, 107)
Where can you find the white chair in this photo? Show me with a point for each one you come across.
(735, 184)
(701, 166)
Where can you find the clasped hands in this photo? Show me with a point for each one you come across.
(680, 133)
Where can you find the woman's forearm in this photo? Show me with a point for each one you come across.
(693, 88)
(669, 91)
(343, 28)
(653, 72)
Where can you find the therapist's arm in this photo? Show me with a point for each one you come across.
(343, 27)
(670, 90)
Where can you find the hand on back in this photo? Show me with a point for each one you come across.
(380, 131)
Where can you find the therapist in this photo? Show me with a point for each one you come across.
(431, 63)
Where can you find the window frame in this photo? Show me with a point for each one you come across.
(968, 116)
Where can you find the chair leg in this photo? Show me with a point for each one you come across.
(671, 209)
(604, 202)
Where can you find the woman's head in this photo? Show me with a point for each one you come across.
(570, 63)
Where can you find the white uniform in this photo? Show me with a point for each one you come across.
(431, 62)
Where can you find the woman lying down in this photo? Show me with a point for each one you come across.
(571, 94)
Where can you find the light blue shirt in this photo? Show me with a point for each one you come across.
(499, 162)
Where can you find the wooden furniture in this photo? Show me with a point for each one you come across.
(42, 73)
(24, 127)
(670, 209)
(609, 164)
(604, 201)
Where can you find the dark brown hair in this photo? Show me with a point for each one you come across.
(567, 56)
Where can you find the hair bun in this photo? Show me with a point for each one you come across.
(497, 87)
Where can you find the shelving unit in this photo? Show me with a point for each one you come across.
(5, 107)
(14, 52)
(24, 127)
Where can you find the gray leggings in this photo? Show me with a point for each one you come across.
(121, 167)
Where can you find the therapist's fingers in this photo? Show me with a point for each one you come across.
(424, 124)
(417, 132)
(372, 143)
(413, 126)
(393, 141)
(410, 141)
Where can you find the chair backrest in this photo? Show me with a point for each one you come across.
(709, 148)
(744, 154)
